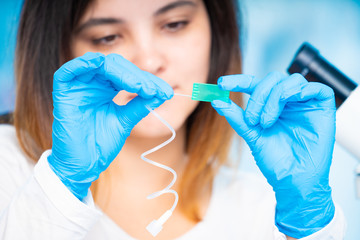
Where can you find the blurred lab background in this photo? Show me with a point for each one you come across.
(9, 18)
(272, 33)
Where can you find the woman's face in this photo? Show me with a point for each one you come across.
(168, 38)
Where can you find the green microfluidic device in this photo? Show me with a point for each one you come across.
(208, 92)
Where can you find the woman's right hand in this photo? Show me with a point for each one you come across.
(89, 129)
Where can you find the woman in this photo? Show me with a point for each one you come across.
(114, 60)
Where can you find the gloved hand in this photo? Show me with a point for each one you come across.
(89, 129)
(289, 125)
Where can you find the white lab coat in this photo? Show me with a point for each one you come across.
(34, 204)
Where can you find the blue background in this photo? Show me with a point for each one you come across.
(9, 18)
(273, 31)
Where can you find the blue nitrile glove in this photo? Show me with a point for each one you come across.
(89, 129)
(289, 125)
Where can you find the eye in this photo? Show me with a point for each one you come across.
(175, 26)
(107, 40)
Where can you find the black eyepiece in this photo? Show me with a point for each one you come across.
(309, 63)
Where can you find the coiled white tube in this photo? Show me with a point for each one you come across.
(168, 188)
(156, 225)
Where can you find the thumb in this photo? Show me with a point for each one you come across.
(235, 116)
(134, 111)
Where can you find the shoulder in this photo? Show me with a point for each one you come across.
(7, 132)
(15, 168)
(8, 140)
(11, 154)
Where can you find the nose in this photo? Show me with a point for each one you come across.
(148, 57)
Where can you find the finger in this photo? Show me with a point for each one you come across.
(235, 116)
(161, 84)
(134, 111)
(75, 68)
(125, 75)
(282, 93)
(260, 96)
(116, 122)
(238, 83)
(320, 92)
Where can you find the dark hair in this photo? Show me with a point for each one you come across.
(43, 45)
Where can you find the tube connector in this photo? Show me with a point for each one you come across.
(157, 225)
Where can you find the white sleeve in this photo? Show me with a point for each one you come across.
(335, 230)
(44, 208)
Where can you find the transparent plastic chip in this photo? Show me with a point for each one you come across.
(208, 92)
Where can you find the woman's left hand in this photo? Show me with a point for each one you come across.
(289, 124)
